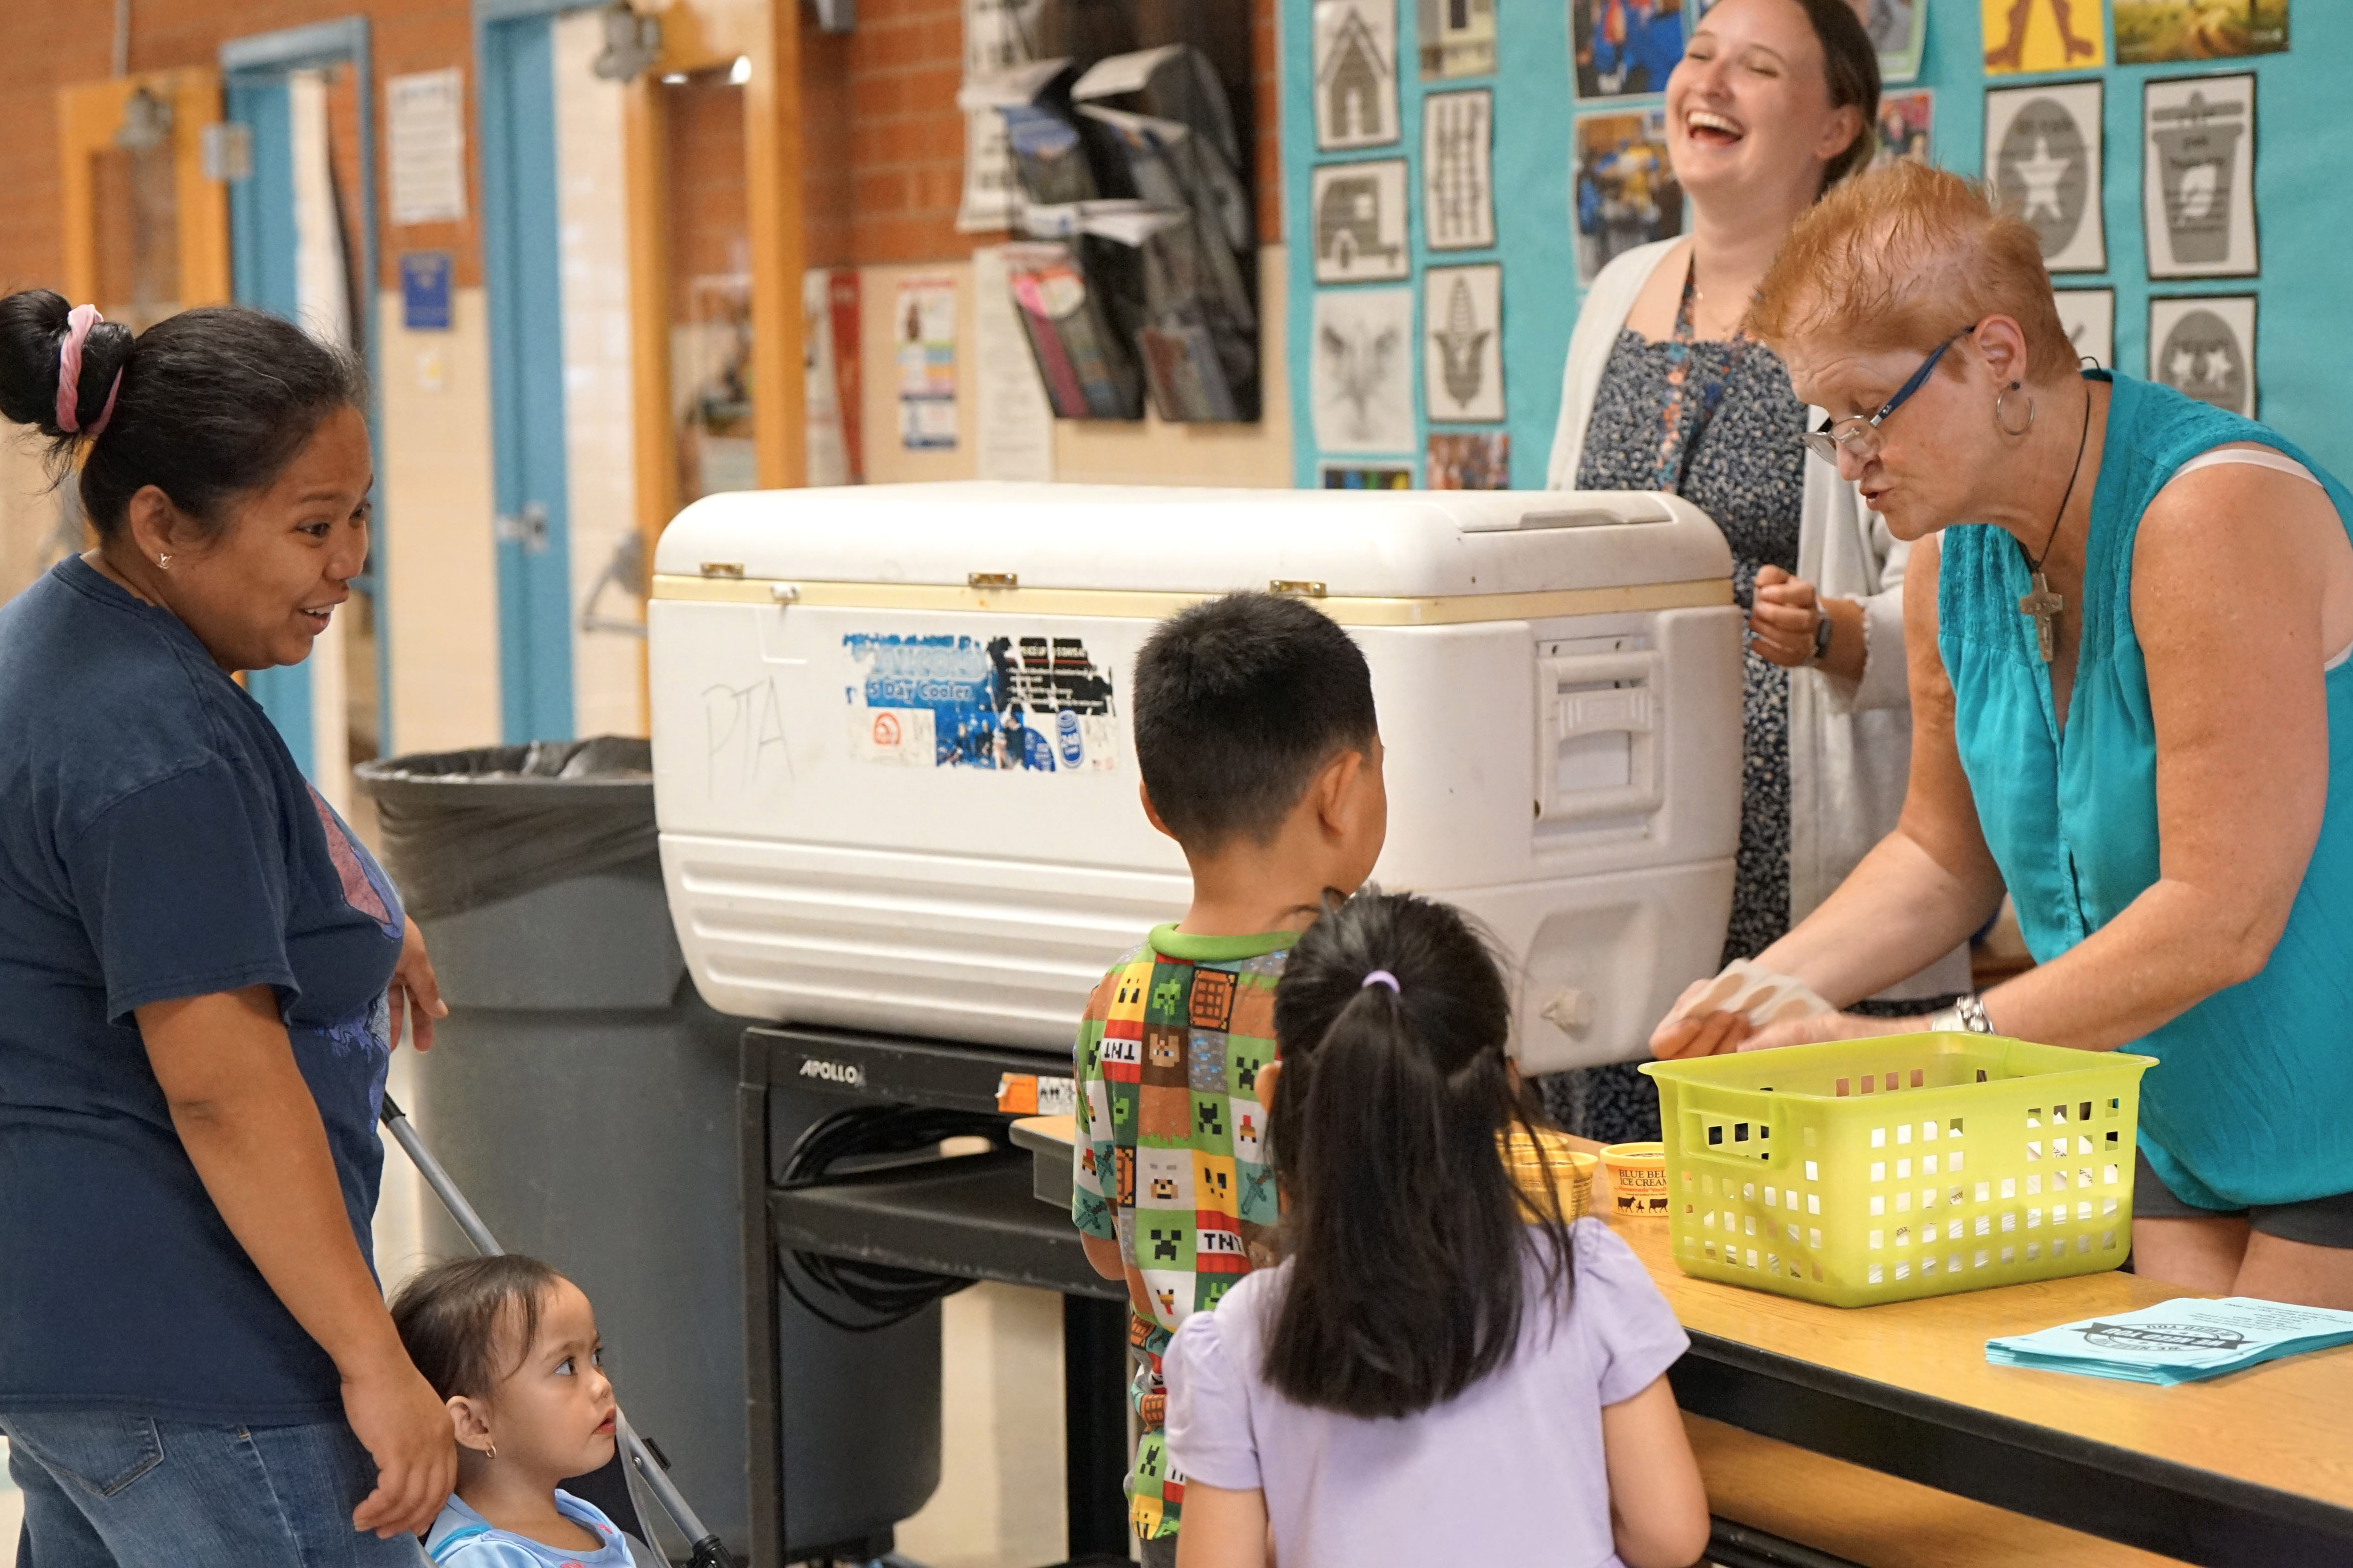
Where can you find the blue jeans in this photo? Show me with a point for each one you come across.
(109, 1490)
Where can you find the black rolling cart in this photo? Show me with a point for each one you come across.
(974, 1218)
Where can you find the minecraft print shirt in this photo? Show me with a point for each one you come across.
(1170, 1159)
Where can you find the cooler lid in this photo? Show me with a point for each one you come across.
(1413, 545)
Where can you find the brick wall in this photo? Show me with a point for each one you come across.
(885, 141)
(53, 43)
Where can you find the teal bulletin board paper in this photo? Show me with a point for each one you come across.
(2303, 209)
(2182, 1340)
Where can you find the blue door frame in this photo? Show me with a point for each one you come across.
(261, 251)
(523, 272)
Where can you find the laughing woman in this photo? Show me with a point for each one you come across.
(203, 972)
(1773, 103)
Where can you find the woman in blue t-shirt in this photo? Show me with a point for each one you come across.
(204, 973)
(2133, 708)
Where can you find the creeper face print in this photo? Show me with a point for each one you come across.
(1244, 1058)
(1210, 1116)
(1163, 1244)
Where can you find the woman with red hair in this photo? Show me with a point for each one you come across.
(2131, 654)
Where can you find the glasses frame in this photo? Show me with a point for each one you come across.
(1825, 441)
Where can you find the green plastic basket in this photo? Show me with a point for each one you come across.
(1858, 1171)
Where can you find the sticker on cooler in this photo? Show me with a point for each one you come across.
(903, 736)
(1014, 704)
(1029, 1094)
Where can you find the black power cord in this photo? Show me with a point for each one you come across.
(883, 1294)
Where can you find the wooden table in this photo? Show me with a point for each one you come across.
(2254, 1468)
(1800, 1415)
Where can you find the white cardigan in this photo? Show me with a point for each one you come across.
(1849, 741)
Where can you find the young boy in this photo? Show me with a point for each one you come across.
(1262, 757)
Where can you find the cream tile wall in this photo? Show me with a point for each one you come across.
(1000, 1502)
(608, 689)
(1089, 451)
(440, 567)
(32, 538)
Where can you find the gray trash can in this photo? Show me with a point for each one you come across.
(582, 1096)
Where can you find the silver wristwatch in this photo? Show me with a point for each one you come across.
(1967, 1016)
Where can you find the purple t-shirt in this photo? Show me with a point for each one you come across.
(1509, 1471)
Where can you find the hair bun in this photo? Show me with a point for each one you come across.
(104, 352)
(32, 325)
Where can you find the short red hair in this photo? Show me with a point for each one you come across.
(1902, 257)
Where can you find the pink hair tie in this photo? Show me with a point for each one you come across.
(1383, 977)
(79, 321)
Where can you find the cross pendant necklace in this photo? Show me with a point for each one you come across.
(2042, 603)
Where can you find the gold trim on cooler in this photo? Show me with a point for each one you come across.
(1453, 609)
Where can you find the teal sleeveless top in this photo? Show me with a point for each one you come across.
(2249, 1101)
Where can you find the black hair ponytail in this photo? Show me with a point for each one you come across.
(1406, 1231)
(212, 402)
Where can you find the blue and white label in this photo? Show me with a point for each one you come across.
(1029, 704)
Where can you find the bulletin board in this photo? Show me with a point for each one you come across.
(1373, 169)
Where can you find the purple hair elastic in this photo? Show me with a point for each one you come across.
(1383, 977)
(79, 321)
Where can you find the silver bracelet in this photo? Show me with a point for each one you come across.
(1967, 1016)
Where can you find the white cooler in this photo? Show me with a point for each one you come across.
(897, 789)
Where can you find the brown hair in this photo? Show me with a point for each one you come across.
(1850, 71)
(1902, 257)
(448, 1317)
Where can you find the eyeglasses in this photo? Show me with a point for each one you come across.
(1861, 435)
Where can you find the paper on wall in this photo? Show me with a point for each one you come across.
(425, 132)
(924, 325)
(1016, 436)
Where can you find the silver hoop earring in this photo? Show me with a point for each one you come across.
(1998, 424)
(491, 1451)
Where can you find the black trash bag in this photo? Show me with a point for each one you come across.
(461, 829)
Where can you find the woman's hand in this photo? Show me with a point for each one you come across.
(1785, 618)
(405, 1429)
(1788, 614)
(416, 992)
(1703, 1035)
(1829, 1026)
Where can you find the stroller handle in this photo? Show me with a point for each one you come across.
(708, 1550)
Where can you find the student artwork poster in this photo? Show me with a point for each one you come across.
(1906, 121)
(1624, 48)
(2162, 32)
(1626, 192)
(1480, 462)
(2043, 36)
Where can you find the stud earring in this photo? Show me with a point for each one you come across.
(165, 561)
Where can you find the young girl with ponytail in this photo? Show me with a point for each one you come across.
(1443, 1369)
